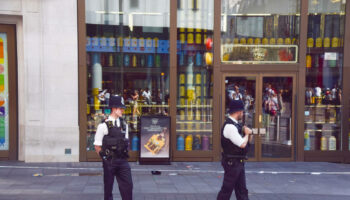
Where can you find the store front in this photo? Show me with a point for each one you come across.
(8, 93)
(284, 59)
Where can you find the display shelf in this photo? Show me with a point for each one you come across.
(193, 122)
(187, 131)
(321, 122)
(193, 106)
(321, 130)
(321, 50)
(323, 106)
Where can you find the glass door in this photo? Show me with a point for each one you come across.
(276, 117)
(244, 88)
(268, 110)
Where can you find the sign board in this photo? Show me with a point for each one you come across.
(155, 139)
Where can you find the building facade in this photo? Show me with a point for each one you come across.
(183, 59)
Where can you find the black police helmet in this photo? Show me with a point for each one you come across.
(235, 106)
(116, 102)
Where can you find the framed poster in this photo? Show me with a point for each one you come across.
(155, 140)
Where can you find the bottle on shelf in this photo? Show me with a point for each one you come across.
(150, 60)
(180, 143)
(197, 142)
(188, 142)
(126, 60)
(134, 60)
(157, 60)
(205, 143)
(306, 141)
(324, 143)
(135, 143)
(332, 143)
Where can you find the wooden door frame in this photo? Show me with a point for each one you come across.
(293, 128)
(223, 100)
(258, 94)
(12, 153)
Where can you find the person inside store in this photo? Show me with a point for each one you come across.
(235, 139)
(111, 144)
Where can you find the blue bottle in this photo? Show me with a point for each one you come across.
(182, 59)
(198, 59)
(150, 60)
(126, 60)
(180, 143)
(135, 143)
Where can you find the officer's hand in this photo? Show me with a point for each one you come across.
(97, 149)
(247, 131)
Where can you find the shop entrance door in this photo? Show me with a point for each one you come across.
(269, 102)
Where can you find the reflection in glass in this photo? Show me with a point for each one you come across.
(128, 55)
(260, 31)
(277, 107)
(195, 76)
(243, 88)
(324, 67)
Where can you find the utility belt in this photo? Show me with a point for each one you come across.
(114, 148)
(234, 158)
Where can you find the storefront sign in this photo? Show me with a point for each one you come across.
(155, 134)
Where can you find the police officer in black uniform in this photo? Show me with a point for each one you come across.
(111, 143)
(235, 144)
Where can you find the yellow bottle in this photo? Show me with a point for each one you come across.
(235, 41)
(280, 41)
(198, 91)
(335, 42)
(190, 38)
(323, 143)
(265, 41)
(198, 36)
(272, 41)
(327, 42)
(243, 41)
(182, 78)
(182, 35)
(188, 142)
(257, 41)
(287, 41)
(250, 41)
(198, 115)
(190, 115)
(182, 91)
(182, 115)
(308, 61)
(310, 42)
(198, 78)
(318, 42)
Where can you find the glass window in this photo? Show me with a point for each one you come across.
(4, 95)
(260, 31)
(195, 75)
(128, 55)
(324, 71)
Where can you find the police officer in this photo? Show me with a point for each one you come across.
(111, 143)
(235, 144)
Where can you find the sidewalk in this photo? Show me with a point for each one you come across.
(180, 180)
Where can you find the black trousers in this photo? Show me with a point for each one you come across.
(120, 169)
(234, 179)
